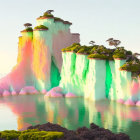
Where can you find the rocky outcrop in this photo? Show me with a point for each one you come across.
(92, 133)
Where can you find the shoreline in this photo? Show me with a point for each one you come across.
(82, 133)
(50, 131)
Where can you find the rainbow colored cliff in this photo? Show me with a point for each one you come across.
(39, 57)
(93, 72)
(98, 73)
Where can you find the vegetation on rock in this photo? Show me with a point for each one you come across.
(131, 66)
(41, 27)
(9, 134)
(47, 15)
(120, 52)
(51, 131)
(30, 134)
(128, 53)
(95, 51)
(29, 29)
(58, 19)
(73, 48)
(101, 52)
(97, 55)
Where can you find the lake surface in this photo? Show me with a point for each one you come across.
(19, 112)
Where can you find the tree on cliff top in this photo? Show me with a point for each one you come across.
(133, 57)
(113, 42)
(49, 12)
(92, 42)
(27, 25)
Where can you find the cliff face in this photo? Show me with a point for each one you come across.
(97, 79)
(39, 57)
(21, 74)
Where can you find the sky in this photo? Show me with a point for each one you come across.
(95, 20)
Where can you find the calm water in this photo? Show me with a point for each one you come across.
(19, 112)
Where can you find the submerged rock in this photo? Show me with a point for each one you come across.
(6, 93)
(22, 92)
(138, 103)
(129, 103)
(55, 92)
(120, 101)
(57, 89)
(44, 91)
(28, 90)
(13, 93)
(70, 95)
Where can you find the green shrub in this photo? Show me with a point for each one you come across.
(120, 49)
(128, 53)
(100, 56)
(58, 19)
(73, 48)
(99, 51)
(53, 135)
(29, 29)
(40, 16)
(9, 134)
(41, 27)
(47, 15)
(65, 50)
(110, 57)
(130, 67)
(42, 135)
(120, 52)
(94, 48)
(84, 50)
(119, 55)
(32, 134)
(74, 44)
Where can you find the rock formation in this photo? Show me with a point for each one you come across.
(97, 77)
(39, 55)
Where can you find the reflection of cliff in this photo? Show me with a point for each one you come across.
(39, 52)
(29, 110)
(66, 112)
(72, 113)
(116, 117)
(97, 79)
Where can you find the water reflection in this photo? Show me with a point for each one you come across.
(70, 113)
